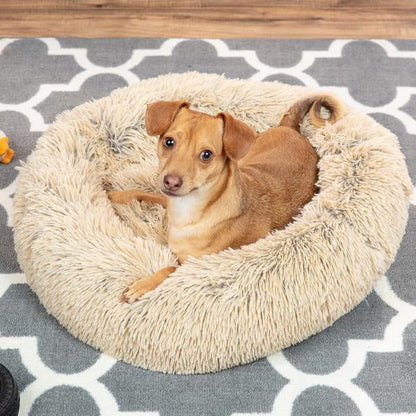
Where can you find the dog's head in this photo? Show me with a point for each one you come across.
(194, 148)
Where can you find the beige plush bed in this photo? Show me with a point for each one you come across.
(79, 252)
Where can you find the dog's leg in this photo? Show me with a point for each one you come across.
(146, 284)
(123, 197)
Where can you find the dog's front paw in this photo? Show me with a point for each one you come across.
(119, 197)
(136, 290)
(146, 284)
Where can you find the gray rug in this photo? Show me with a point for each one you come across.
(365, 364)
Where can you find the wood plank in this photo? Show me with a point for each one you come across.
(158, 4)
(215, 22)
(194, 4)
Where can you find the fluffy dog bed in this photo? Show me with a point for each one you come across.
(79, 252)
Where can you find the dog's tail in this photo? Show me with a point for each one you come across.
(322, 108)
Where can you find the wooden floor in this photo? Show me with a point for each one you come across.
(210, 18)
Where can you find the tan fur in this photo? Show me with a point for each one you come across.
(253, 184)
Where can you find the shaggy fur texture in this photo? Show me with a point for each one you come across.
(79, 252)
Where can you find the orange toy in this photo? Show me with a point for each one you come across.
(6, 154)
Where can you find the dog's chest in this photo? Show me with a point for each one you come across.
(190, 240)
(182, 210)
(188, 230)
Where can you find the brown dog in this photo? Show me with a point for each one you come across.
(223, 184)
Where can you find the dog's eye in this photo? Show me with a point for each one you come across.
(205, 155)
(169, 142)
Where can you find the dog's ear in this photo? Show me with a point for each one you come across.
(238, 137)
(160, 115)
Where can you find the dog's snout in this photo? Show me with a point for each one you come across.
(172, 183)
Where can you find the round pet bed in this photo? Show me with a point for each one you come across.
(79, 252)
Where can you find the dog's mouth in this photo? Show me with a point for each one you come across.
(169, 193)
(175, 194)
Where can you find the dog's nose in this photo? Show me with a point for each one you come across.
(172, 183)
